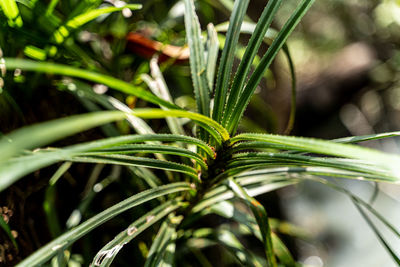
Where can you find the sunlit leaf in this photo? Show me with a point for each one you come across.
(10, 9)
(251, 51)
(64, 31)
(271, 53)
(226, 61)
(197, 60)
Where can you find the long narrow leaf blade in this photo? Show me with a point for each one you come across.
(163, 242)
(52, 248)
(250, 160)
(47, 132)
(357, 201)
(229, 241)
(141, 162)
(254, 188)
(13, 169)
(293, 99)
(390, 162)
(7, 229)
(226, 61)
(261, 217)
(227, 210)
(53, 68)
(273, 50)
(363, 138)
(212, 54)
(210, 125)
(154, 149)
(197, 60)
(64, 31)
(378, 235)
(251, 51)
(161, 90)
(10, 9)
(282, 252)
(106, 255)
(269, 36)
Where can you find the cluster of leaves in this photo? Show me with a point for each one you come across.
(201, 174)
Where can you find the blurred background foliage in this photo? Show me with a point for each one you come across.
(347, 58)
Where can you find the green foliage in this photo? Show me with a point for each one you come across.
(187, 176)
(237, 111)
(11, 11)
(261, 217)
(66, 239)
(226, 61)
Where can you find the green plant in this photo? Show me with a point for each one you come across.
(203, 174)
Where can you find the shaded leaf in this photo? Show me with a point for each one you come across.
(54, 68)
(261, 216)
(46, 252)
(107, 254)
